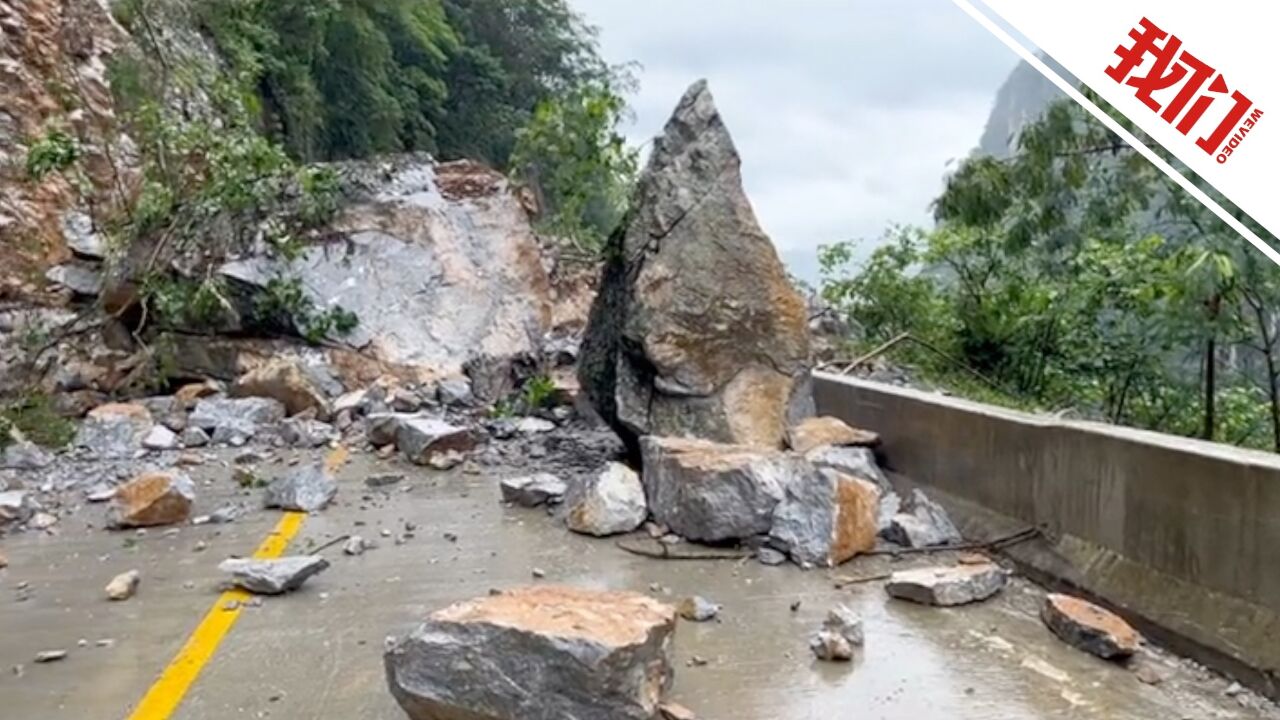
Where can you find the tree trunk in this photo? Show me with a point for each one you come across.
(1210, 389)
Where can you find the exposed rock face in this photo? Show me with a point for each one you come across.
(827, 519)
(613, 503)
(697, 331)
(712, 492)
(816, 432)
(438, 262)
(1090, 628)
(48, 48)
(157, 498)
(947, 586)
(286, 381)
(273, 577)
(539, 653)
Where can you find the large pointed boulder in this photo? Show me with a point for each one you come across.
(697, 331)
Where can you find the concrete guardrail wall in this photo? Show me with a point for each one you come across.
(1182, 536)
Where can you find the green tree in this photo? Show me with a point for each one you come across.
(574, 157)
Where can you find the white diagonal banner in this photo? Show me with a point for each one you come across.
(1200, 87)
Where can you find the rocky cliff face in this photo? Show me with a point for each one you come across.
(53, 57)
(697, 331)
(438, 261)
(1023, 97)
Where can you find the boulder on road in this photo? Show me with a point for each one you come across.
(235, 420)
(817, 432)
(273, 577)
(697, 330)
(150, 499)
(284, 380)
(947, 586)
(613, 503)
(422, 438)
(927, 524)
(115, 430)
(537, 653)
(306, 488)
(1090, 628)
(826, 519)
(712, 492)
(16, 506)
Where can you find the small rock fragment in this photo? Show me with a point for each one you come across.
(156, 498)
(676, 711)
(534, 426)
(194, 437)
(446, 460)
(1090, 628)
(99, 493)
(614, 503)
(160, 438)
(307, 488)
(384, 480)
(830, 647)
(124, 585)
(829, 431)
(534, 490)
(698, 609)
(947, 586)
(354, 545)
(47, 656)
(926, 525)
(273, 577)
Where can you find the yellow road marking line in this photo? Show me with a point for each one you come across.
(166, 694)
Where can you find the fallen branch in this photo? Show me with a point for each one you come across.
(843, 582)
(331, 543)
(1001, 542)
(662, 551)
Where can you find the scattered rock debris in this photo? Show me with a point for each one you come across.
(307, 488)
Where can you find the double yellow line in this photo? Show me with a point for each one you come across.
(166, 694)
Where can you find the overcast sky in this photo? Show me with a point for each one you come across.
(847, 113)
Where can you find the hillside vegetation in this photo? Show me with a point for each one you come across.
(1075, 276)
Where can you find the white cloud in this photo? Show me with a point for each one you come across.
(846, 112)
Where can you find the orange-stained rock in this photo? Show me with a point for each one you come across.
(856, 524)
(284, 380)
(1090, 628)
(561, 652)
(817, 432)
(188, 394)
(156, 498)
